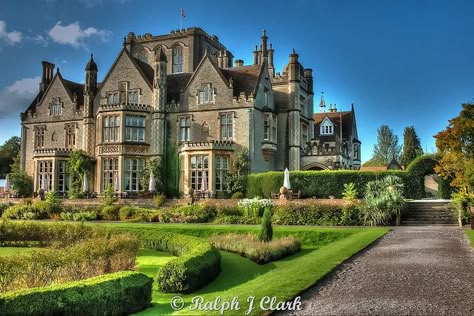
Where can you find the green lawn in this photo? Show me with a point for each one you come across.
(9, 251)
(470, 235)
(323, 249)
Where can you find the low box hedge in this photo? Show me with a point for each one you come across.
(198, 261)
(119, 293)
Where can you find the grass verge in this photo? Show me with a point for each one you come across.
(470, 235)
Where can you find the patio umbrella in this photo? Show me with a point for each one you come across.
(44, 187)
(116, 182)
(286, 181)
(152, 184)
(204, 181)
(85, 183)
(6, 186)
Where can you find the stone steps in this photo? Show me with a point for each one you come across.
(420, 213)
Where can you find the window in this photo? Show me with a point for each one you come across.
(110, 128)
(206, 94)
(135, 128)
(70, 135)
(133, 97)
(39, 136)
(109, 173)
(199, 171)
(266, 127)
(356, 151)
(227, 132)
(327, 129)
(133, 173)
(143, 55)
(185, 128)
(113, 98)
(62, 176)
(222, 168)
(304, 134)
(45, 175)
(274, 129)
(55, 107)
(178, 59)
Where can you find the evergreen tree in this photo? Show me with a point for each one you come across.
(266, 231)
(387, 147)
(411, 146)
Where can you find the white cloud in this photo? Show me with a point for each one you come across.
(73, 35)
(16, 98)
(11, 38)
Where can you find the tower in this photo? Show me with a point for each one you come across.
(159, 102)
(90, 89)
(294, 111)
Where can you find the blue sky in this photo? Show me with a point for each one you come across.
(400, 62)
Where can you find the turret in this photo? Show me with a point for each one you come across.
(263, 48)
(47, 76)
(159, 66)
(293, 67)
(322, 105)
(91, 76)
(255, 56)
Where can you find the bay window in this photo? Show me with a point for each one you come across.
(134, 128)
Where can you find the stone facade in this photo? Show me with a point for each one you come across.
(178, 89)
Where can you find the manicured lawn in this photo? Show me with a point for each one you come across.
(470, 235)
(323, 249)
(9, 251)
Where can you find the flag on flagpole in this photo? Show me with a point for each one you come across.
(183, 14)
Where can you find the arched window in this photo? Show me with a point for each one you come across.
(143, 55)
(178, 59)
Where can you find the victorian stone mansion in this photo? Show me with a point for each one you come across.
(183, 88)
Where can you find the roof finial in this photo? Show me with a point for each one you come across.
(294, 52)
(322, 103)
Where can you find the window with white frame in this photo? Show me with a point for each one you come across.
(326, 127)
(199, 171)
(206, 94)
(133, 97)
(111, 128)
(113, 98)
(178, 59)
(110, 169)
(56, 107)
(45, 175)
(185, 128)
(134, 128)
(270, 127)
(227, 130)
(62, 177)
(133, 173)
(222, 168)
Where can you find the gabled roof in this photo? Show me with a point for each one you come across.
(175, 84)
(335, 117)
(244, 78)
(208, 58)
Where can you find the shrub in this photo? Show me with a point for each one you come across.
(350, 191)
(195, 213)
(198, 262)
(254, 207)
(159, 200)
(119, 293)
(110, 212)
(260, 252)
(79, 216)
(127, 212)
(109, 195)
(4, 206)
(237, 196)
(316, 214)
(26, 211)
(266, 231)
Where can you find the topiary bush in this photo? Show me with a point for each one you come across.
(266, 231)
(119, 293)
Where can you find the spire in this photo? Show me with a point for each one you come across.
(91, 65)
(322, 104)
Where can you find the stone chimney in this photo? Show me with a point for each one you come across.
(239, 63)
(47, 76)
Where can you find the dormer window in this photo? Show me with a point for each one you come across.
(56, 107)
(206, 94)
(178, 59)
(326, 127)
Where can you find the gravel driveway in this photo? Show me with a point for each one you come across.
(411, 271)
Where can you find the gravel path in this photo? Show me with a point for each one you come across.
(411, 271)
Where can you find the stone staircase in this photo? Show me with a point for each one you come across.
(428, 212)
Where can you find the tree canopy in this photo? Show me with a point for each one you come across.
(411, 146)
(456, 145)
(386, 149)
(8, 151)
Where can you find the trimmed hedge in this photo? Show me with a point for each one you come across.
(323, 184)
(119, 293)
(198, 261)
(317, 214)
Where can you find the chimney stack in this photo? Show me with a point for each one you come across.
(47, 76)
(239, 63)
(255, 56)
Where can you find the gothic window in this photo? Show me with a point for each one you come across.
(178, 60)
(109, 173)
(45, 174)
(56, 107)
(199, 170)
(134, 128)
(70, 135)
(62, 177)
(185, 128)
(110, 128)
(133, 173)
(143, 55)
(266, 127)
(222, 168)
(39, 136)
(206, 94)
(227, 130)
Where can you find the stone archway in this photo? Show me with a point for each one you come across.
(431, 185)
(315, 166)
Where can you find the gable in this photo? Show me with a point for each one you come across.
(125, 69)
(326, 122)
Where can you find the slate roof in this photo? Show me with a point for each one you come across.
(244, 78)
(75, 88)
(176, 83)
(335, 117)
(146, 69)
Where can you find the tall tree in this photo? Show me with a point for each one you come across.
(411, 146)
(8, 151)
(387, 147)
(456, 144)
